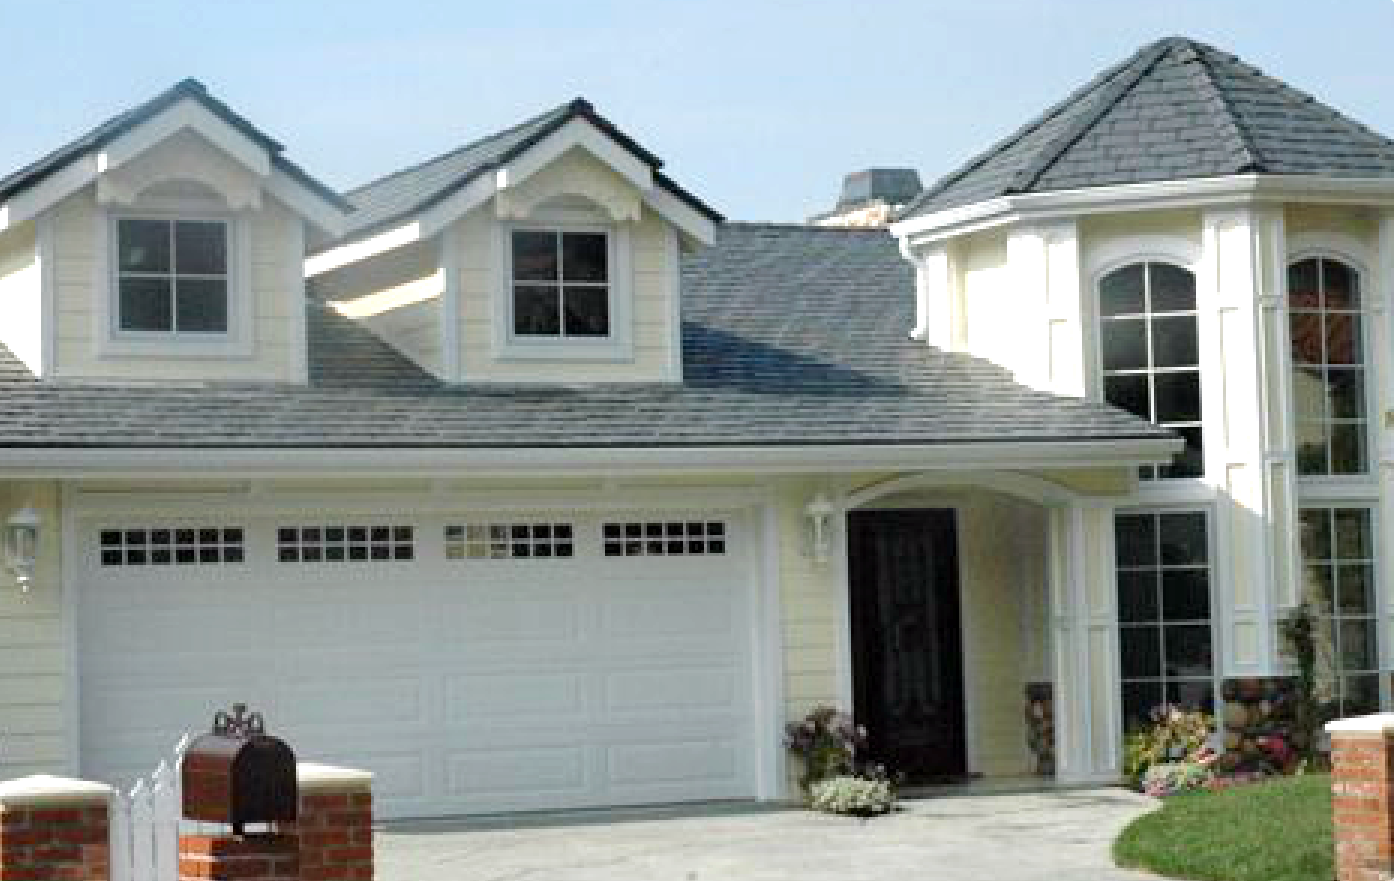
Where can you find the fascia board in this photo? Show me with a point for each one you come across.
(53, 189)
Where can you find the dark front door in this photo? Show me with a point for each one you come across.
(907, 661)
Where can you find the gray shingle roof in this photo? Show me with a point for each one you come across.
(118, 125)
(793, 335)
(415, 189)
(1176, 109)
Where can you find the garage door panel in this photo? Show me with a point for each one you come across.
(480, 620)
(466, 685)
(667, 690)
(380, 700)
(347, 620)
(696, 611)
(645, 764)
(475, 774)
(510, 694)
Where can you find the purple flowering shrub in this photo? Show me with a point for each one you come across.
(831, 744)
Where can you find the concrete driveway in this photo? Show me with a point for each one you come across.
(1060, 835)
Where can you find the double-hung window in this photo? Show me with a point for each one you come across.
(560, 284)
(171, 276)
(1150, 354)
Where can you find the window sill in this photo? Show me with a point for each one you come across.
(212, 348)
(566, 350)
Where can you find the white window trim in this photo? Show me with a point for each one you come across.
(113, 343)
(1347, 250)
(618, 347)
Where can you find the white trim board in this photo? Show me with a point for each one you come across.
(1213, 191)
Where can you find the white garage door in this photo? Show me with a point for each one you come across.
(478, 663)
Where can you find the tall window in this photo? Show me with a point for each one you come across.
(1150, 354)
(1328, 362)
(1339, 580)
(1164, 635)
(561, 284)
(171, 276)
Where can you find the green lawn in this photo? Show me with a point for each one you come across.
(1277, 831)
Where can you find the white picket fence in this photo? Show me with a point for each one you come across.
(145, 824)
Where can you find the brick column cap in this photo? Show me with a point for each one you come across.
(44, 789)
(1375, 723)
(319, 778)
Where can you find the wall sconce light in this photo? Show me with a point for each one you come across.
(819, 512)
(22, 545)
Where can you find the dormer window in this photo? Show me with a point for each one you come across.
(171, 276)
(560, 284)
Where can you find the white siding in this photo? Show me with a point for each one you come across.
(34, 655)
(274, 260)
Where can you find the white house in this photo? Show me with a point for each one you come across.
(523, 480)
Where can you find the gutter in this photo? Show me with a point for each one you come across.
(578, 462)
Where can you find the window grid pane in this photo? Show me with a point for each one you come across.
(1150, 354)
(510, 541)
(171, 276)
(1165, 634)
(561, 284)
(334, 543)
(172, 546)
(1339, 585)
(1326, 329)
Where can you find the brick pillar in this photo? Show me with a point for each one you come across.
(335, 824)
(54, 829)
(1362, 797)
(271, 857)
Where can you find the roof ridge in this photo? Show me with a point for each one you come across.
(1139, 66)
(575, 105)
(1016, 136)
(1253, 157)
(1306, 98)
(795, 225)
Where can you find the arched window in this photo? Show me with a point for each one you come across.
(1328, 367)
(1150, 354)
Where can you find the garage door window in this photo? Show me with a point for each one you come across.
(345, 544)
(509, 541)
(172, 546)
(665, 538)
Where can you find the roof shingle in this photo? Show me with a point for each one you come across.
(792, 335)
(1176, 109)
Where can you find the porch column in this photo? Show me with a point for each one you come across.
(1088, 722)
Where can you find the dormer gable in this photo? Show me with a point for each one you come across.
(165, 243)
(546, 253)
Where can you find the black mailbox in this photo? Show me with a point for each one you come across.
(239, 774)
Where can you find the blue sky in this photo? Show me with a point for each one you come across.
(758, 107)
